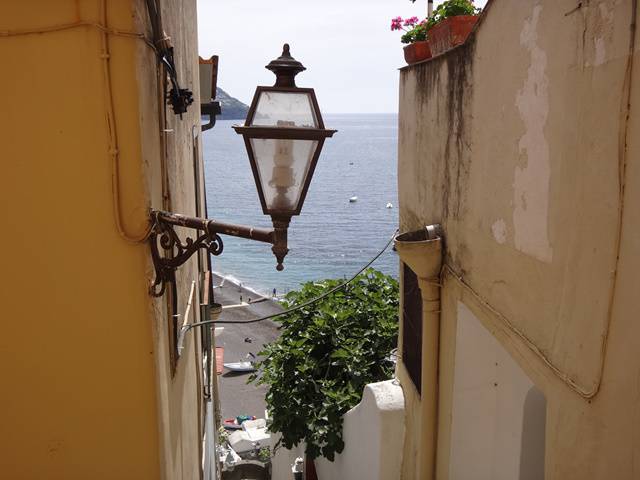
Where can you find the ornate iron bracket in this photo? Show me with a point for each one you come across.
(169, 252)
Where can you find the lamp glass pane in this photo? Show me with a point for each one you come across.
(283, 166)
(285, 109)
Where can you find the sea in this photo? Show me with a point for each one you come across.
(332, 237)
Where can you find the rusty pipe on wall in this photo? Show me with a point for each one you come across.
(215, 226)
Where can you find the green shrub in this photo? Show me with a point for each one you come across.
(327, 352)
(417, 34)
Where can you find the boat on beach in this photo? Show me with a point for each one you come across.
(240, 366)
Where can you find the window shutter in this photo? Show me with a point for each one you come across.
(412, 326)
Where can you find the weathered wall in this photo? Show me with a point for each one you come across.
(84, 349)
(181, 410)
(520, 143)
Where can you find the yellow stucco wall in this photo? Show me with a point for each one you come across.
(518, 144)
(86, 388)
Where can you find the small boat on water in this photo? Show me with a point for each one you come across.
(353, 199)
(389, 205)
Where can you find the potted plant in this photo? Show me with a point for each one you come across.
(450, 24)
(415, 37)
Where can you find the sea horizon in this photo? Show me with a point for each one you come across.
(332, 237)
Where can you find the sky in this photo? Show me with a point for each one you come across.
(352, 56)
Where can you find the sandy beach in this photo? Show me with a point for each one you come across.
(236, 397)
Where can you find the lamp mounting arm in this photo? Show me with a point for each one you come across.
(169, 252)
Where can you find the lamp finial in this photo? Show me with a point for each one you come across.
(285, 68)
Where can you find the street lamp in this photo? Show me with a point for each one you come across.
(283, 134)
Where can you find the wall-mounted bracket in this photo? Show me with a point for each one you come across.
(169, 252)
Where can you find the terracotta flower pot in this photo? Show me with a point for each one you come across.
(416, 52)
(450, 32)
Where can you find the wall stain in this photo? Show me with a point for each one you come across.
(459, 94)
(444, 86)
(450, 107)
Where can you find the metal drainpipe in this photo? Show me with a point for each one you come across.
(421, 250)
(430, 290)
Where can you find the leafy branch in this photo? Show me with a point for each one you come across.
(317, 369)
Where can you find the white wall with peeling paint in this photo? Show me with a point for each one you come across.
(524, 144)
(533, 171)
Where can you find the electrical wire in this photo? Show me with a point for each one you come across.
(114, 152)
(302, 305)
(68, 26)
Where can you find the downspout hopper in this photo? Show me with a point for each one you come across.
(421, 250)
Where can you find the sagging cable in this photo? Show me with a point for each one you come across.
(188, 327)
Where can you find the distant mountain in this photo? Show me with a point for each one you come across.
(232, 108)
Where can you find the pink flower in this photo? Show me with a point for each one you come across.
(410, 22)
(396, 23)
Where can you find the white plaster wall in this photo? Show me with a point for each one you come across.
(489, 392)
(373, 433)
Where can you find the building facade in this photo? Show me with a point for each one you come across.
(524, 145)
(93, 384)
